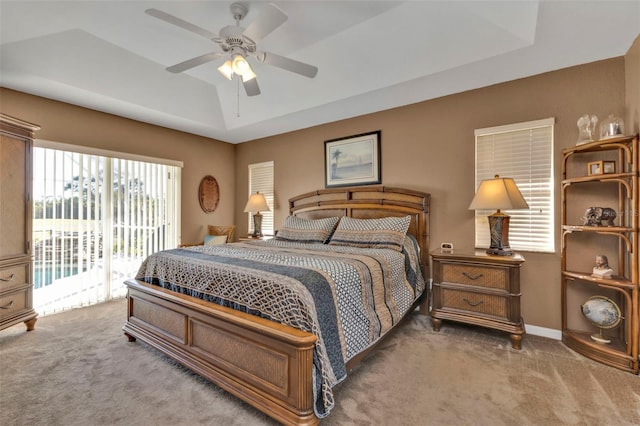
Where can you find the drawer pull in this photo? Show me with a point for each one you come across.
(471, 303)
(472, 277)
(8, 279)
(8, 306)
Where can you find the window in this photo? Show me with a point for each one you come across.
(261, 180)
(96, 217)
(524, 152)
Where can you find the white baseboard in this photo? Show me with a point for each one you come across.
(551, 333)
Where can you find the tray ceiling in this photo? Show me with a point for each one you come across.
(372, 55)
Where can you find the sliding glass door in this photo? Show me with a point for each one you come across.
(96, 218)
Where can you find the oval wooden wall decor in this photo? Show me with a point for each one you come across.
(208, 194)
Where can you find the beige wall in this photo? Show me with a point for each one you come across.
(71, 124)
(632, 86)
(429, 147)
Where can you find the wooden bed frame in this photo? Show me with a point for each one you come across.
(223, 345)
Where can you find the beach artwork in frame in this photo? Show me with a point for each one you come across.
(354, 160)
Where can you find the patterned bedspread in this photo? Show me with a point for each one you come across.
(348, 297)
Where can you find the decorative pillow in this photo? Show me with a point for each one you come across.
(307, 230)
(222, 230)
(214, 240)
(387, 232)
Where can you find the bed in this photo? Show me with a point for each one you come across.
(221, 341)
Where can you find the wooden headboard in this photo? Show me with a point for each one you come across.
(369, 202)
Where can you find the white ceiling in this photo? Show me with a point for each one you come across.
(372, 55)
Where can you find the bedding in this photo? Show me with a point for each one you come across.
(349, 297)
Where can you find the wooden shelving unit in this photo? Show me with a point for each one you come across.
(622, 351)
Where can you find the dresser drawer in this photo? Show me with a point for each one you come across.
(14, 276)
(13, 303)
(476, 275)
(479, 303)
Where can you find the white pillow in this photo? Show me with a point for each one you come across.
(214, 240)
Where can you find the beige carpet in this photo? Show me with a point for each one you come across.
(77, 368)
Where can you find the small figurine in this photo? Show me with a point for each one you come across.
(586, 128)
(594, 216)
(602, 269)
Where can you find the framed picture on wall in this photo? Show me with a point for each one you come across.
(353, 160)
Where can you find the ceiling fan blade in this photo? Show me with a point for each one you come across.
(251, 87)
(288, 64)
(194, 62)
(270, 19)
(180, 23)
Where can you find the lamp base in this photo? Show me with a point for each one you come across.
(499, 227)
(500, 251)
(257, 225)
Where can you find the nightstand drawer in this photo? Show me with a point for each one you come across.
(14, 276)
(13, 302)
(476, 275)
(480, 303)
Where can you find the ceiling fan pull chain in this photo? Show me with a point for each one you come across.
(238, 96)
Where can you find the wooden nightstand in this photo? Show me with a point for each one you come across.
(476, 288)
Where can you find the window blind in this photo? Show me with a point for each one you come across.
(95, 219)
(261, 180)
(524, 152)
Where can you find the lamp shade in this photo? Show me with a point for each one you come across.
(248, 75)
(239, 64)
(226, 70)
(498, 193)
(256, 203)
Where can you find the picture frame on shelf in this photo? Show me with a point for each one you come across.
(601, 167)
(353, 160)
(608, 167)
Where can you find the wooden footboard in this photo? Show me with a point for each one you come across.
(266, 364)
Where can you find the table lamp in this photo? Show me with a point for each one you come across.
(257, 203)
(498, 193)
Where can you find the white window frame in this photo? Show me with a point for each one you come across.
(524, 152)
(261, 179)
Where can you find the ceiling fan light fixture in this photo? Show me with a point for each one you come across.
(226, 69)
(240, 65)
(237, 43)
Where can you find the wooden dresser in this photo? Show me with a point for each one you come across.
(16, 283)
(476, 288)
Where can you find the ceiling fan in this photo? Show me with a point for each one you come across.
(238, 44)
